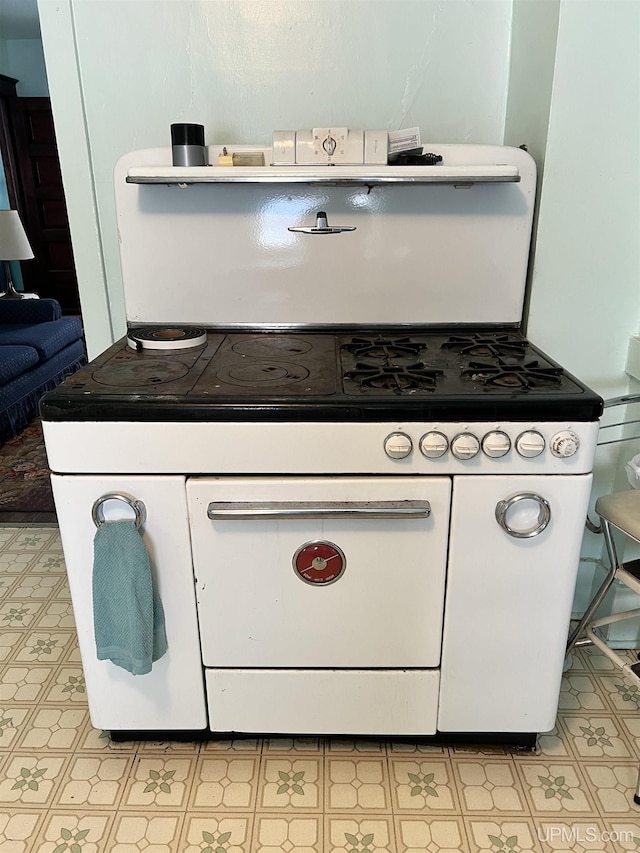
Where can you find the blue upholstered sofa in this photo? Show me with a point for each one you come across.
(38, 348)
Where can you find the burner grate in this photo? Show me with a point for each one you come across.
(395, 378)
(486, 346)
(521, 377)
(379, 348)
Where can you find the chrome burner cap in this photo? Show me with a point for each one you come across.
(166, 337)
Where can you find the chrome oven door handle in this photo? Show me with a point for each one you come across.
(544, 515)
(288, 510)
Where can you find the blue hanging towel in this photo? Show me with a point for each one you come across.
(128, 618)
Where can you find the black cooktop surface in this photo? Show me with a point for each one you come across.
(369, 375)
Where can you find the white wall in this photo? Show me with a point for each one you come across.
(532, 59)
(585, 295)
(244, 68)
(26, 64)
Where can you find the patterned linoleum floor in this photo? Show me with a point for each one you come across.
(66, 787)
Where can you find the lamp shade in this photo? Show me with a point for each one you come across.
(14, 245)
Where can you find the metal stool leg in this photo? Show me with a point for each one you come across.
(604, 589)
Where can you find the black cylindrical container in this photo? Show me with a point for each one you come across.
(187, 145)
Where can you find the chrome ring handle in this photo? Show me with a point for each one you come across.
(544, 515)
(139, 509)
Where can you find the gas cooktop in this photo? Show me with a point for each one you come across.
(321, 376)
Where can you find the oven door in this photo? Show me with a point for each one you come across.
(320, 572)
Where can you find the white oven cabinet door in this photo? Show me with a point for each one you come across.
(256, 610)
(509, 600)
(171, 696)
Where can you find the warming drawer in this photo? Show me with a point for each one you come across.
(351, 702)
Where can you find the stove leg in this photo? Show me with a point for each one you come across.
(636, 796)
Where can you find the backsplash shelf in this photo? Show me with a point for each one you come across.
(325, 175)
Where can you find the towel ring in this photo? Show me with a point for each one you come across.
(97, 512)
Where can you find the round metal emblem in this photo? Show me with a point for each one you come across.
(319, 563)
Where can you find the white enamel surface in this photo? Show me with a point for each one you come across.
(295, 448)
(171, 696)
(348, 702)
(517, 595)
(384, 611)
(223, 254)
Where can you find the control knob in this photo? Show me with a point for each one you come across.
(530, 443)
(397, 445)
(465, 446)
(434, 444)
(496, 444)
(564, 443)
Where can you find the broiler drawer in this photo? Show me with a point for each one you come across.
(319, 701)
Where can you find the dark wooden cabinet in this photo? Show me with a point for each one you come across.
(34, 185)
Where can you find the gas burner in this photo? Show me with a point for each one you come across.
(395, 378)
(521, 377)
(166, 337)
(377, 348)
(486, 346)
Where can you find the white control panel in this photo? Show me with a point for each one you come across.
(512, 445)
(330, 146)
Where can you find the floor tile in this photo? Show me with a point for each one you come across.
(30, 780)
(373, 834)
(596, 736)
(9, 642)
(94, 782)
(630, 725)
(32, 586)
(293, 744)
(580, 692)
(228, 833)
(43, 646)
(613, 786)
(290, 834)
(435, 834)
(489, 786)
(553, 744)
(67, 686)
(357, 783)
(96, 740)
(621, 693)
(423, 784)
(406, 747)
(152, 833)
(224, 782)
(13, 722)
(54, 729)
(56, 614)
(291, 784)
(502, 836)
(24, 683)
(18, 829)
(555, 787)
(18, 614)
(65, 831)
(238, 744)
(159, 783)
(14, 562)
(337, 745)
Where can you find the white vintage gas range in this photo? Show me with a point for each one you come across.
(362, 489)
